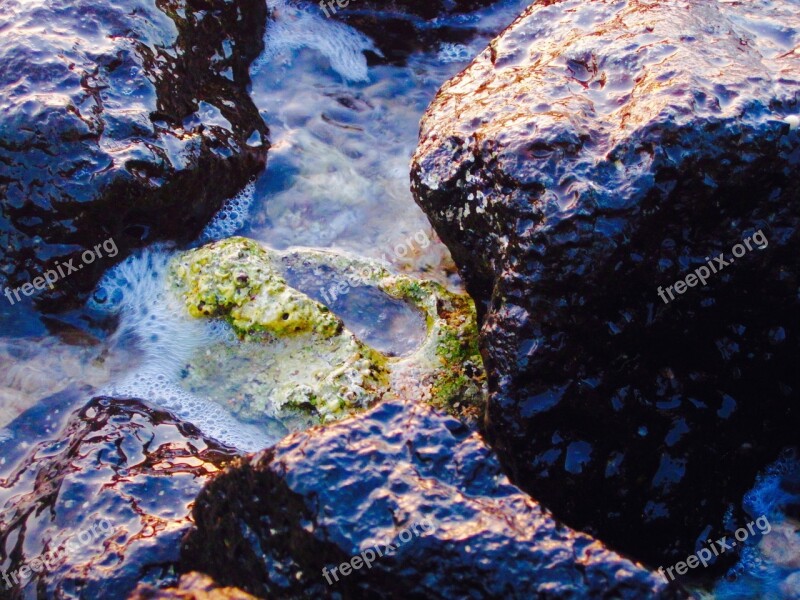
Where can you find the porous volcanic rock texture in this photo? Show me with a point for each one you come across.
(418, 489)
(594, 152)
(127, 120)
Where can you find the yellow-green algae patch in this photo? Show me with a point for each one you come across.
(296, 361)
(233, 279)
(450, 354)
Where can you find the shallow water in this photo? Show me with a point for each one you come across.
(385, 323)
(343, 135)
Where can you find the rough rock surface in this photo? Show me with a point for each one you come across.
(592, 153)
(103, 505)
(400, 475)
(128, 120)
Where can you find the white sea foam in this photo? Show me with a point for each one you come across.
(231, 217)
(293, 27)
(449, 53)
(156, 322)
(765, 570)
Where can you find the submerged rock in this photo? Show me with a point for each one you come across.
(594, 154)
(294, 357)
(396, 29)
(304, 357)
(103, 504)
(129, 122)
(445, 369)
(414, 501)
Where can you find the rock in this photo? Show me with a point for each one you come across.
(403, 476)
(128, 122)
(40, 421)
(94, 510)
(593, 154)
(233, 280)
(769, 564)
(295, 357)
(444, 368)
(302, 357)
(414, 10)
(192, 586)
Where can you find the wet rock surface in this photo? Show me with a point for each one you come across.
(594, 152)
(102, 505)
(273, 521)
(130, 122)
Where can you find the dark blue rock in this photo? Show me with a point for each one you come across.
(399, 475)
(592, 154)
(128, 120)
(102, 504)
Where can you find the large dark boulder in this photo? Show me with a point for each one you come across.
(277, 523)
(594, 152)
(127, 120)
(101, 504)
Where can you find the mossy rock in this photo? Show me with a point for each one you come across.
(233, 279)
(450, 352)
(295, 361)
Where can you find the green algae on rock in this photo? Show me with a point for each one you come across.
(296, 361)
(450, 353)
(233, 279)
(295, 356)
(447, 369)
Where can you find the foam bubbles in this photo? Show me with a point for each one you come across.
(765, 568)
(231, 217)
(767, 495)
(293, 28)
(156, 323)
(449, 53)
(152, 384)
